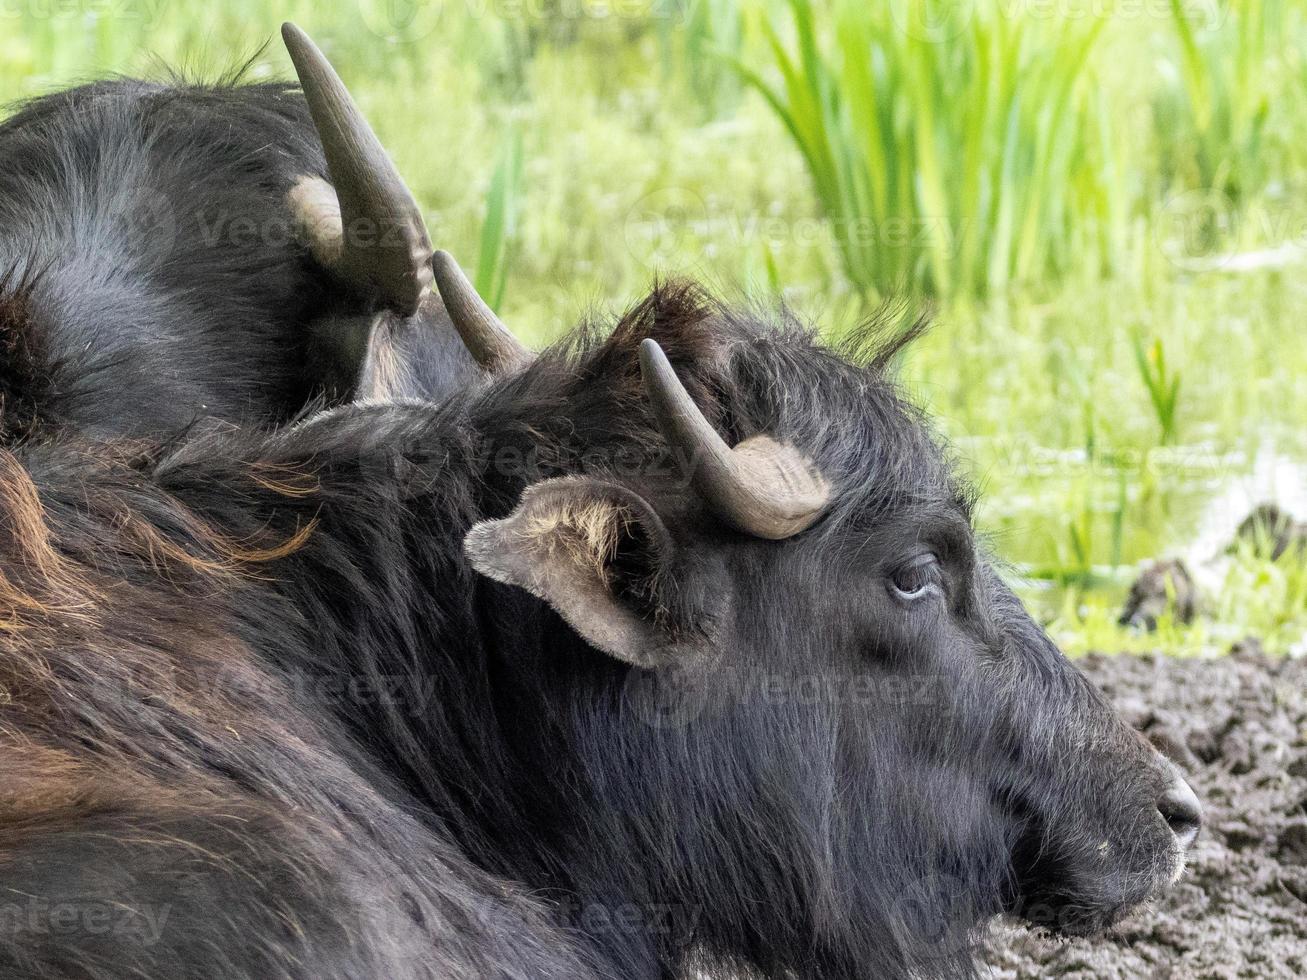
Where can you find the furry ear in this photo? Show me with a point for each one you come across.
(598, 554)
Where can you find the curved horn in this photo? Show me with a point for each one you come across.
(491, 344)
(383, 241)
(761, 487)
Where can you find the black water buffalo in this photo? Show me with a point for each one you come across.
(666, 648)
(547, 681)
(173, 251)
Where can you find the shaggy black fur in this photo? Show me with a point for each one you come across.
(145, 239)
(328, 740)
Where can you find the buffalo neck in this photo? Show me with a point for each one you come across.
(498, 725)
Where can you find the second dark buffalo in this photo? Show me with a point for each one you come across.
(175, 251)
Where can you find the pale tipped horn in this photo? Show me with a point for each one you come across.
(491, 344)
(761, 487)
(380, 243)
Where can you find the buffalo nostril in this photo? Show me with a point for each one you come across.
(1183, 813)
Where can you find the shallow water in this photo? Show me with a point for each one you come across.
(1092, 523)
(1046, 408)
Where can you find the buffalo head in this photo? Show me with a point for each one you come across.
(796, 686)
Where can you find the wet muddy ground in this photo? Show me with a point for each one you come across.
(1238, 726)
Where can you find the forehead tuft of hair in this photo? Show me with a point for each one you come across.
(890, 329)
(751, 372)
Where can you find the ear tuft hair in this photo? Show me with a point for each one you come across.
(594, 551)
(588, 530)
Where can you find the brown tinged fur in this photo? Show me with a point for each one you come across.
(175, 799)
(523, 776)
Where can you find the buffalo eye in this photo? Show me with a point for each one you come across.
(916, 579)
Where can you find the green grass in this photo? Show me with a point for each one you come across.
(1212, 118)
(499, 229)
(1099, 371)
(955, 164)
(1162, 385)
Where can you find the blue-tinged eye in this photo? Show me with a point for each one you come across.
(916, 579)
